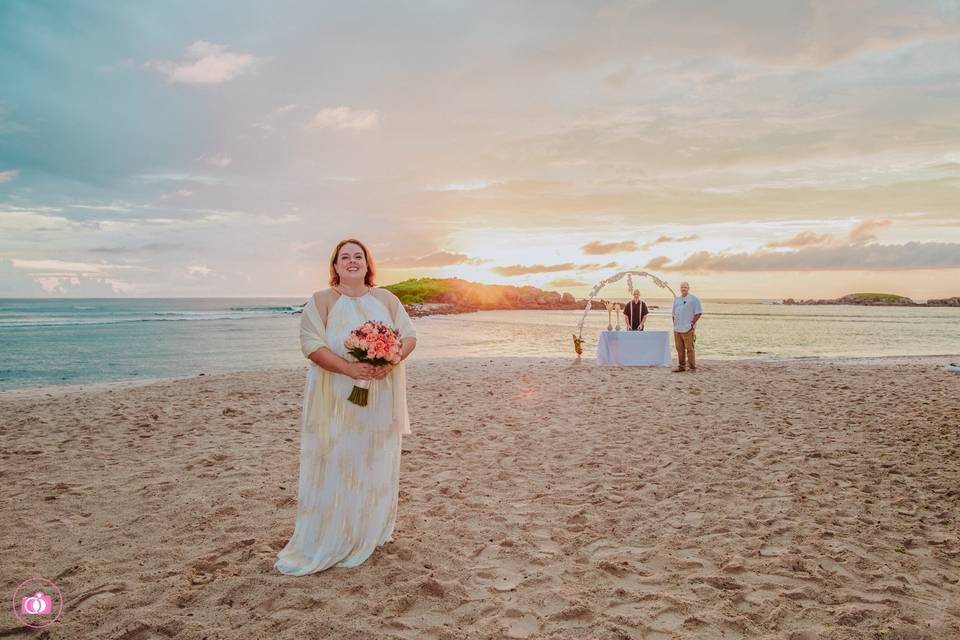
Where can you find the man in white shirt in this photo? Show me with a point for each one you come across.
(686, 313)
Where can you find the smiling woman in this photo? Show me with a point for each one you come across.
(350, 454)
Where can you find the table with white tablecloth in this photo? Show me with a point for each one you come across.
(634, 348)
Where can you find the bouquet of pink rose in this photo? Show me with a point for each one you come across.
(374, 343)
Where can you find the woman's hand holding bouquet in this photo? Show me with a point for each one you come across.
(376, 345)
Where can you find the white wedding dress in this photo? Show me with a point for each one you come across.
(350, 472)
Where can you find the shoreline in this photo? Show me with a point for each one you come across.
(439, 309)
(56, 391)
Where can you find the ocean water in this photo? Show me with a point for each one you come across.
(84, 341)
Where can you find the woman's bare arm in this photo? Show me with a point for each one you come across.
(407, 347)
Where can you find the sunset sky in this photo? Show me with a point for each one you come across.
(756, 149)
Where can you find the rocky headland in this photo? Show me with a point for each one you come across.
(442, 296)
(880, 300)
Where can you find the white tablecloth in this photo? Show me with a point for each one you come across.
(634, 348)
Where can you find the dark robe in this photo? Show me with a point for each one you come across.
(635, 312)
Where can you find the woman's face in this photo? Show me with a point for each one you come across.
(351, 263)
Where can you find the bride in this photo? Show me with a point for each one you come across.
(349, 455)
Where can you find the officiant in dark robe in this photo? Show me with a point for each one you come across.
(635, 312)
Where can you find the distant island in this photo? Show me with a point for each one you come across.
(440, 296)
(881, 300)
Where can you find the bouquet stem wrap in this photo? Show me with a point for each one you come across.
(360, 394)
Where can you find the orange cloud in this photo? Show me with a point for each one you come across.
(435, 259)
(601, 248)
(804, 239)
(593, 266)
(667, 239)
(566, 282)
(863, 232)
(657, 263)
(522, 269)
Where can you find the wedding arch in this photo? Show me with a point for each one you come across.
(578, 337)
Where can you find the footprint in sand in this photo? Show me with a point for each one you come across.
(523, 626)
(632, 611)
(204, 570)
(497, 575)
(667, 621)
(106, 590)
(543, 541)
(499, 578)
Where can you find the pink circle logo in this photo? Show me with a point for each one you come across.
(37, 602)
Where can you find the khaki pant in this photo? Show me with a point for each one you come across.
(684, 342)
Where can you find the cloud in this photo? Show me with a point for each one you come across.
(803, 239)
(7, 176)
(198, 271)
(180, 193)
(433, 260)
(269, 121)
(522, 269)
(344, 118)
(816, 32)
(601, 248)
(118, 208)
(56, 284)
(265, 219)
(467, 185)
(152, 247)
(24, 221)
(204, 63)
(79, 278)
(220, 160)
(14, 283)
(82, 286)
(669, 239)
(177, 177)
(863, 232)
(657, 263)
(566, 282)
(859, 257)
(62, 265)
(593, 266)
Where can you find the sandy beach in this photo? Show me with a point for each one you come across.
(539, 499)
